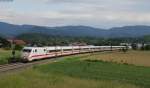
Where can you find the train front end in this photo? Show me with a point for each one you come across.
(25, 54)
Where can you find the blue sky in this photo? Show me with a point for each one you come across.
(96, 13)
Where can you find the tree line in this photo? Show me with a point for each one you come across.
(47, 40)
(65, 40)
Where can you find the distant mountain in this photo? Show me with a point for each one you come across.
(70, 31)
(130, 31)
(11, 30)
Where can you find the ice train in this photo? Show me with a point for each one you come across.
(35, 53)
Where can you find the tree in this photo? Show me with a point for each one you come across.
(4, 43)
(147, 47)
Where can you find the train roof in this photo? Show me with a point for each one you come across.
(69, 47)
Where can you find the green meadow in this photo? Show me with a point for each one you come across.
(5, 56)
(78, 72)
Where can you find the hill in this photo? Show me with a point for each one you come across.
(11, 30)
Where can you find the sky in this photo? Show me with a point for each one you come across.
(95, 13)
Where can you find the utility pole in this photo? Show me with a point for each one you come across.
(13, 49)
(55, 46)
(110, 43)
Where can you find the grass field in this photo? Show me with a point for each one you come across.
(81, 71)
(138, 58)
(36, 79)
(5, 55)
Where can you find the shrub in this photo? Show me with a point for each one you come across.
(18, 47)
(147, 47)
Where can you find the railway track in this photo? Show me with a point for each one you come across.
(20, 65)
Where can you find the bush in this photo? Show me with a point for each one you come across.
(147, 47)
(18, 47)
(4, 61)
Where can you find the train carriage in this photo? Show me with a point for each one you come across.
(35, 53)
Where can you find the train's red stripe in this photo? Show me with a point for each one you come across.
(41, 55)
(49, 54)
(53, 53)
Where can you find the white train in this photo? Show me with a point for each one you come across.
(35, 53)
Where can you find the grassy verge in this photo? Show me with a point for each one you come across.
(5, 56)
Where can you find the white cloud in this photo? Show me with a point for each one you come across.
(73, 12)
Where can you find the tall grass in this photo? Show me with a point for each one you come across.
(138, 58)
(98, 70)
(36, 79)
(5, 56)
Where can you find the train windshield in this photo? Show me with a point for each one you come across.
(27, 50)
